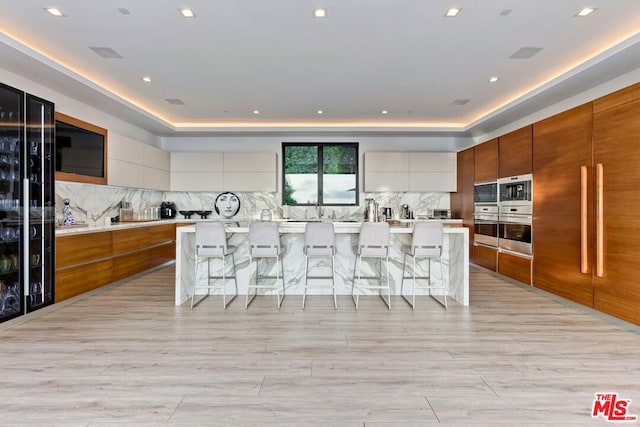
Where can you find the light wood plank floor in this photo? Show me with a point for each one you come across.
(125, 355)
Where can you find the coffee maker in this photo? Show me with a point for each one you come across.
(168, 210)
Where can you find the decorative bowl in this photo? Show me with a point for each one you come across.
(186, 214)
(203, 214)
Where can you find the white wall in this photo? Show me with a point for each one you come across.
(87, 113)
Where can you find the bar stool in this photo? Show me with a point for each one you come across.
(372, 243)
(264, 244)
(319, 243)
(426, 243)
(211, 243)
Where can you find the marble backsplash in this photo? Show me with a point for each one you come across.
(96, 204)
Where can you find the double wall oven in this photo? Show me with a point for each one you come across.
(485, 213)
(515, 214)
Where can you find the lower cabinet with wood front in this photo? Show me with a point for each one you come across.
(86, 261)
(515, 267)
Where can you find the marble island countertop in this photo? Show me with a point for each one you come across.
(287, 225)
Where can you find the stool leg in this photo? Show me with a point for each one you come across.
(306, 280)
(333, 282)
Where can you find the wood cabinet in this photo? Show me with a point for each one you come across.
(462, 199)
(616, 128)
(486, 257)
(88, 261)
(486, 161)
(515, 152)
(561, 146)
(515, 267)
(586, 204)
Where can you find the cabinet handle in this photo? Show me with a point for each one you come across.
(584, 254)
(600, 221)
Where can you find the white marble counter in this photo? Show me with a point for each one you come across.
(455, 258)
(83, 229)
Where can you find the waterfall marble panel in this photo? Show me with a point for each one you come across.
(455, 261)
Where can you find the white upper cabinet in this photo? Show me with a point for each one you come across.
(237, 171)
(432, 172)
(137, 165)
(409, 171)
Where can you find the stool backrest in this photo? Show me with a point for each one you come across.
(427, 239)
(264, 239)
(319, 239)
(374, 239)
(211, 239)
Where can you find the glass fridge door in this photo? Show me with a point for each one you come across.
(39, 177)
(11, 219)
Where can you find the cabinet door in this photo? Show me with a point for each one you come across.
(616, 148)
(486, 160)
(462, 199)
(514, 152)
(561, 146)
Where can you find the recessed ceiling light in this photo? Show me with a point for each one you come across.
(54, 12)
(493, 79)
(586, 12)
(124, 11)
(174, 101)
(187, 13)
(320, 13)
(451, 12)
(385, 112)
(256, 112)
(460, 101)
(146, 79)
(320, 112)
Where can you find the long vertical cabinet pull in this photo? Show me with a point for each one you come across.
(584, 249)
(600, 221)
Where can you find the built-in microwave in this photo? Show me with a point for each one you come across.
(485, 193)
(516, 190)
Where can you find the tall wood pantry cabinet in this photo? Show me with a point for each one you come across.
(587, 204)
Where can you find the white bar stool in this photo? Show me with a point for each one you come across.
(264, 244)
(211, 243)
(319, 243)
(426, 243)
(372, 243)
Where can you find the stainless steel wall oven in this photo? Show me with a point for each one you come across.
(515, 230)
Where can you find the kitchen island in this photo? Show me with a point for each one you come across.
(455, 258)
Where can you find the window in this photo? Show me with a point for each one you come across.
(320, 174)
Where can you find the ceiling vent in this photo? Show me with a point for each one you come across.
(505, 12)
(460, 101)
(526, 52)
(124, 11)
(174, 101)
(105, 52)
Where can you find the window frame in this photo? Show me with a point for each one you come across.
(320, 146)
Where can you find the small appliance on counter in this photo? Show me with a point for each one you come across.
(439, 214)
(168, 210)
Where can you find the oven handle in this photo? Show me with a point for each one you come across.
(600, 220)
(584, 253)
(515, 219)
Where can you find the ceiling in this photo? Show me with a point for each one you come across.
(429, 72)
